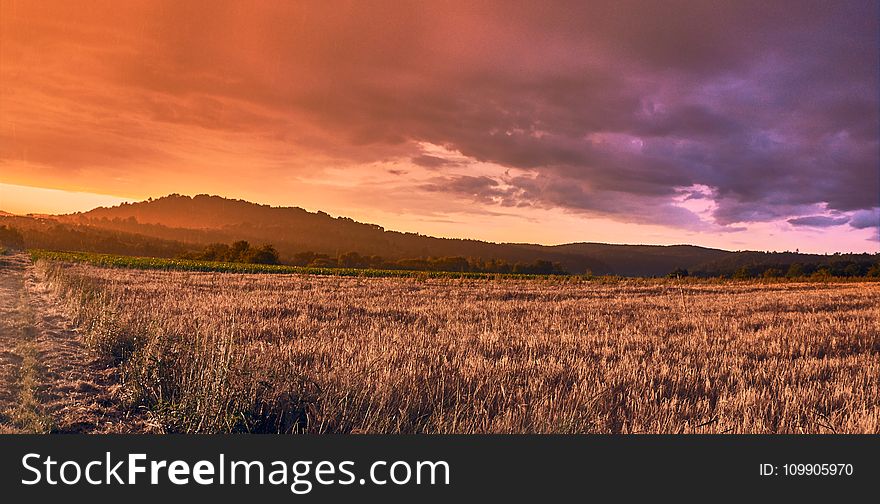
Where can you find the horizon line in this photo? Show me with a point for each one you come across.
(123, 201)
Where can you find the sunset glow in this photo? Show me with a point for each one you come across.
(732, 125)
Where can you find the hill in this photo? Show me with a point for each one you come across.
(207, 219)
(643, 260)
(177, 224)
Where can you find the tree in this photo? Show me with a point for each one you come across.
(742, 274)
(304, 258)
(852, 270)
(238, 251)
(352, 260)
(821, 274)
(772, 273)
(215, 252)
(795, 271)
(263, 255)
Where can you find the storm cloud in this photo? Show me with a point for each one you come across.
(818, 221)
(603, 108)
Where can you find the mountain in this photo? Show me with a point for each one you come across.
(176, 224)
(207, 219)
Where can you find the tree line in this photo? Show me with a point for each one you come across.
(243, 252)
(238, 252)
(445, 263)
(27, 232)
(832, 268)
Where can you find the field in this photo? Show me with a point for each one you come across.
(235, 352)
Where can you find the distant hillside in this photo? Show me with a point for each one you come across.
(210, 212)
(209, 219)
(49, 233)
(183, 222)
(643, 260)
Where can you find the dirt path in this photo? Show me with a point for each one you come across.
(49, 382)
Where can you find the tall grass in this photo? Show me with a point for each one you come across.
(221, 352)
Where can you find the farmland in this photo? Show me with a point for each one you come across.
(209, 351)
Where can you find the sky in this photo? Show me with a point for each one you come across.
(737, 124)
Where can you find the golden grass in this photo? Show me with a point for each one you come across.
(28, 415)
(219, 352)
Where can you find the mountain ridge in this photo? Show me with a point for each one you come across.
(179, 223)
(207, 218)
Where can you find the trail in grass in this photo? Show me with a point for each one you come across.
(49, 381)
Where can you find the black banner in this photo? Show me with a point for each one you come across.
(438, 468)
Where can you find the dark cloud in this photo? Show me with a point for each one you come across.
(818, 221)
(482, 189)
(774, 107)
(427, 161)
(866, 219)
(609, 107)
(553, 192)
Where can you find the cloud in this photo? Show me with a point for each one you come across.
(527, 191)
(818, 221)
(483, 189)
(866, 219)
(428, 161)
(602, 108)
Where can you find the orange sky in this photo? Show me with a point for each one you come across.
(465, 120)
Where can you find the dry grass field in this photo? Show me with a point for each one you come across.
(221, 352)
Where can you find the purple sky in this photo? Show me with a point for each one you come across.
(737, 124)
